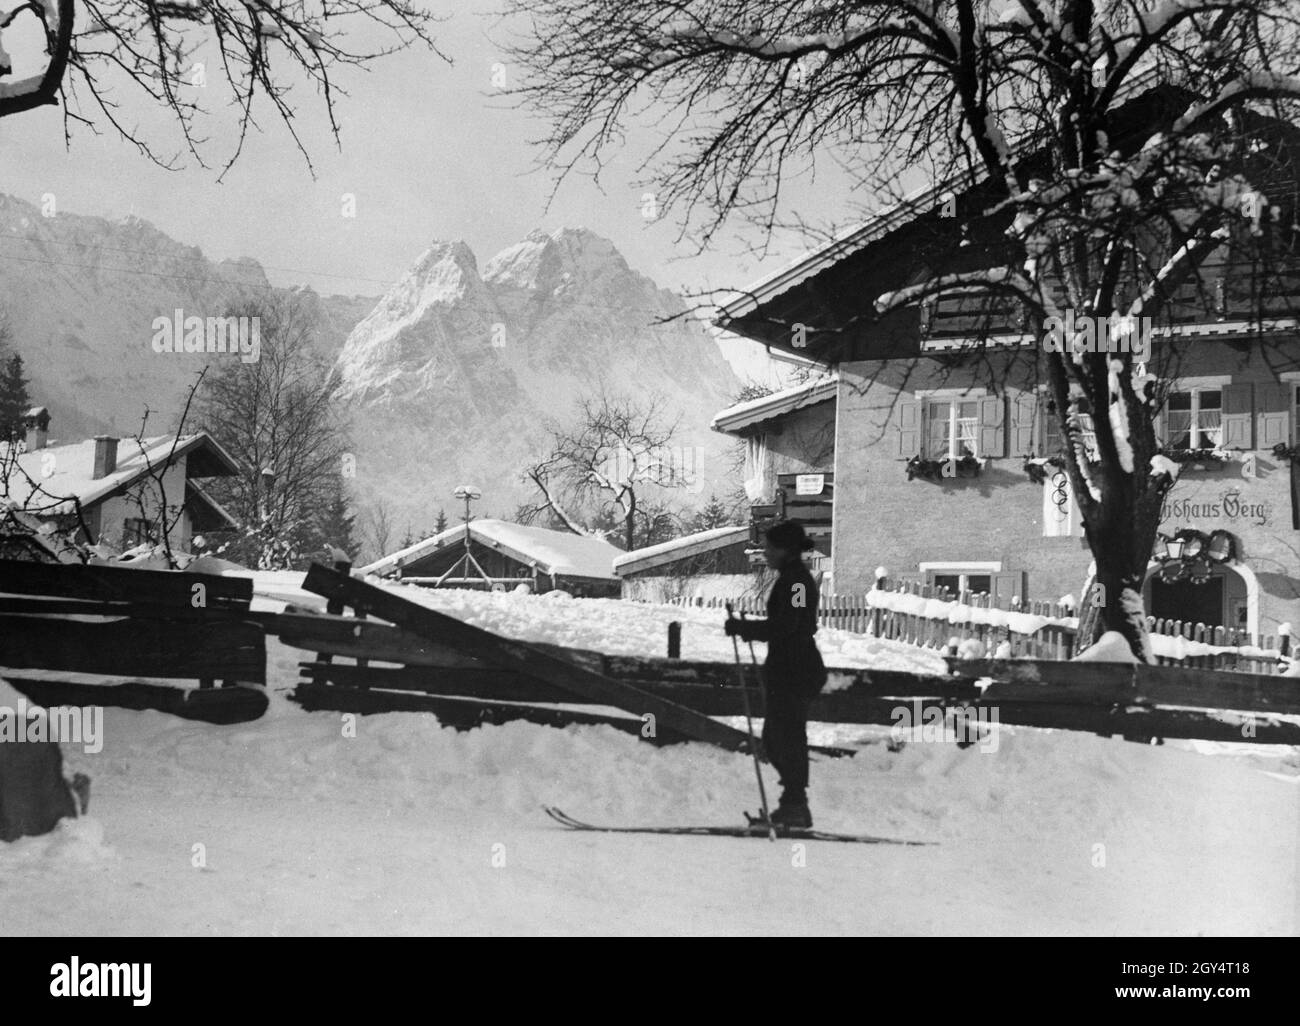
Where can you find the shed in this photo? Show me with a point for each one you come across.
(508, 555)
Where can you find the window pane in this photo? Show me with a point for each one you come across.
(1180, 400)
(1180, 429)
(937, 429)
(968, 431)
(950, 582)
(1211, 428)
(1211, 400)
(980, 584)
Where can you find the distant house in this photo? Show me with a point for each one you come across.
(709, 564)
(502, 554)
(789, 458)
(111, 479)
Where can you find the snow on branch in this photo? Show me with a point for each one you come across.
(1250, 86)
(999, 278)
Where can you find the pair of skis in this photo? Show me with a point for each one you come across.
(756, 827)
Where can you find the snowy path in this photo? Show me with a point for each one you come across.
(393, 831)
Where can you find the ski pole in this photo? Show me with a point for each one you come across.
(749, 724)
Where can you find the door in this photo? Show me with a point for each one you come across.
(1191, 603)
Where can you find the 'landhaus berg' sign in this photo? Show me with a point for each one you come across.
(1229, 506)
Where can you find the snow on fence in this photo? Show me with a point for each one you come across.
(1183, 643)
(932, 617)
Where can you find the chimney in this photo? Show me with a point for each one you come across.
(105, 456)
(37, 422)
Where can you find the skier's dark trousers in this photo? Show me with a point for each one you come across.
(794, 672)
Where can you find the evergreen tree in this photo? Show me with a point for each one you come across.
(441, 524)
(338, 524)
(714, 513)
(14, 400)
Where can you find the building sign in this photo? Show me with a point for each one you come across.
(1231, 505)
(809, 484)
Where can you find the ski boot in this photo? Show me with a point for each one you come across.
(792, 812)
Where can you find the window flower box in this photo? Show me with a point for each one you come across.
(939, 469)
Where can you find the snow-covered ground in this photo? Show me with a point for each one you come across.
(408, 828)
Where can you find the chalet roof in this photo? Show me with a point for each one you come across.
(778, 404)
(66, 472)
(679, 548)
(830, 289)
(551, 552)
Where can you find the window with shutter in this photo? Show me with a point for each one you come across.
(1024, 425)
(993, 427)
(953, 428)
(1273, 406)
(1238, 416)
(1194, 419)
(1053, 437)
(909, 428)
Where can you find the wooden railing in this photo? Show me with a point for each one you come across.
(978, 621)
(1247, 653)
(994, 625)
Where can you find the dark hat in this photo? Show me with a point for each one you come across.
(789, 535)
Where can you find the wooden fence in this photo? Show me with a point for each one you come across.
(854, 613)
(992, 623)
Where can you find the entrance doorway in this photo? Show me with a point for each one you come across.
(1191, 603)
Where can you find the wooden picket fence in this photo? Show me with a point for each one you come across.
(1271, 649)
(852, 613)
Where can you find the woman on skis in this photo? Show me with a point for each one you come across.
(793, 673)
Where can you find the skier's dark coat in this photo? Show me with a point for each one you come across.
(793, 662)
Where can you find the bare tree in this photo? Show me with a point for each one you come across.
(278, 418)
(1117, 147)
(613, 461)
(160, 514)
(377, 525)
(162, 51)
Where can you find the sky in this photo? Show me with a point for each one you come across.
(429, 150)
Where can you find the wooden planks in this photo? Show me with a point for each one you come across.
(135, 648)
(528, 660)
(461, 713)
(167, 588)
(1102, 683)
(220, 705)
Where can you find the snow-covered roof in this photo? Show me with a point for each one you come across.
(67, 471)
(879, 225)
(553, 552)
(845, 244)
(679, 548)
(754, 411)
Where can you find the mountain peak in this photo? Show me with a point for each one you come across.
(551, 262)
